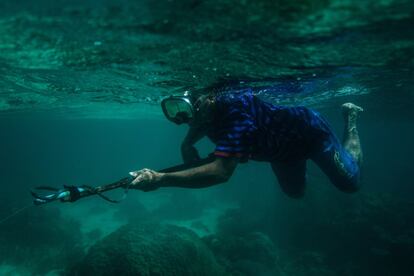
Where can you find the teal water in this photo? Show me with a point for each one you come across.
(80, 85)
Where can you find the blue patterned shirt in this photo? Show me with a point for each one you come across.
(249, 128)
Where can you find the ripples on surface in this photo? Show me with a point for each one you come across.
(98, 59)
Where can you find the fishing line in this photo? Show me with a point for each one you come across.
(15, 213)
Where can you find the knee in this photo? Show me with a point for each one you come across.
(346, 177)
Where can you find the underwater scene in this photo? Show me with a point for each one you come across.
(85, 99)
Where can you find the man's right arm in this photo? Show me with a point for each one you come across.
(188, 151)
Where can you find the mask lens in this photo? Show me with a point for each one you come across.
(177, 109)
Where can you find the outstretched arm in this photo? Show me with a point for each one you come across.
(218, 171)
(213, 173)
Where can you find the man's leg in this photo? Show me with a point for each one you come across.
(351, 141)
(291, 177)
(341, 163)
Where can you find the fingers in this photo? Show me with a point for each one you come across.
(137, 180)
(140, 178)
(146, 175)
(134, 174)
(144, 180)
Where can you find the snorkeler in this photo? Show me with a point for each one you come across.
(244, 127)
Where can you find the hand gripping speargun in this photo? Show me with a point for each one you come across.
(46, 194)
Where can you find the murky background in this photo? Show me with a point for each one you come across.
(80, 85)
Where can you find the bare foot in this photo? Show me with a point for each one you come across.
(350, 107)
(351, 138)
(347, 107)
(350, 112)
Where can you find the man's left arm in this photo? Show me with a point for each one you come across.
(216, 172)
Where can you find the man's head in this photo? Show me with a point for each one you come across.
(178, 109)
(188, 109)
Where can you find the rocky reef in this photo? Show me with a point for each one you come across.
(326, 235)
(40, 240)
(149, 249)
(368, 234)
(249, 254)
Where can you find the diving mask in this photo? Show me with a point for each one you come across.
(178, 109)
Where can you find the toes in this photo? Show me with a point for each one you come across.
(351, 107)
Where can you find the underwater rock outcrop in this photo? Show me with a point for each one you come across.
(376, 234)
(367, 234)
(41, 240)
(149, 249)
(242, 248)
(249, 254)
